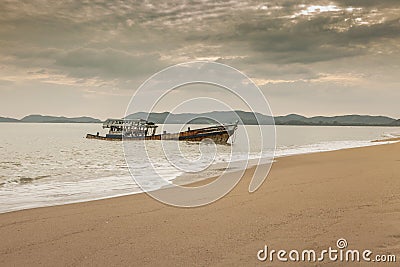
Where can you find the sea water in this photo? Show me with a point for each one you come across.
(52, 164)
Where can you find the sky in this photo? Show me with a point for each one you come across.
(87, 58)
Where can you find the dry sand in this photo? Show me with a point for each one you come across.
(307, 202)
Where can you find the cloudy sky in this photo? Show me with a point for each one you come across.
(75, 58)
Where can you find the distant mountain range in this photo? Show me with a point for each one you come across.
(250, 118)
(51, 119)
(247, 118)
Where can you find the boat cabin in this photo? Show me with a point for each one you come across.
(129, 128)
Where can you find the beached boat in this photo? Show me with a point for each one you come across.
(124, 129)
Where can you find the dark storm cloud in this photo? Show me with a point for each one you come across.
(369, 3)
(362, 34)
(307, 41)
(313, 40)
(118, 44)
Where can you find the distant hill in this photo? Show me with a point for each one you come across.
(396, 123)
(4, 119)
(250, 118)
(54, 119)
(345, 120)
(290, 118)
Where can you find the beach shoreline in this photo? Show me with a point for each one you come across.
(203, 177)
(307, 201)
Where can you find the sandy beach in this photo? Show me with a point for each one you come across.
(308, 202)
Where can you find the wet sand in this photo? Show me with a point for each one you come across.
(307, 202)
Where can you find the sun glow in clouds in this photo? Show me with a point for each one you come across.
(318, 9)
(311, 10)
